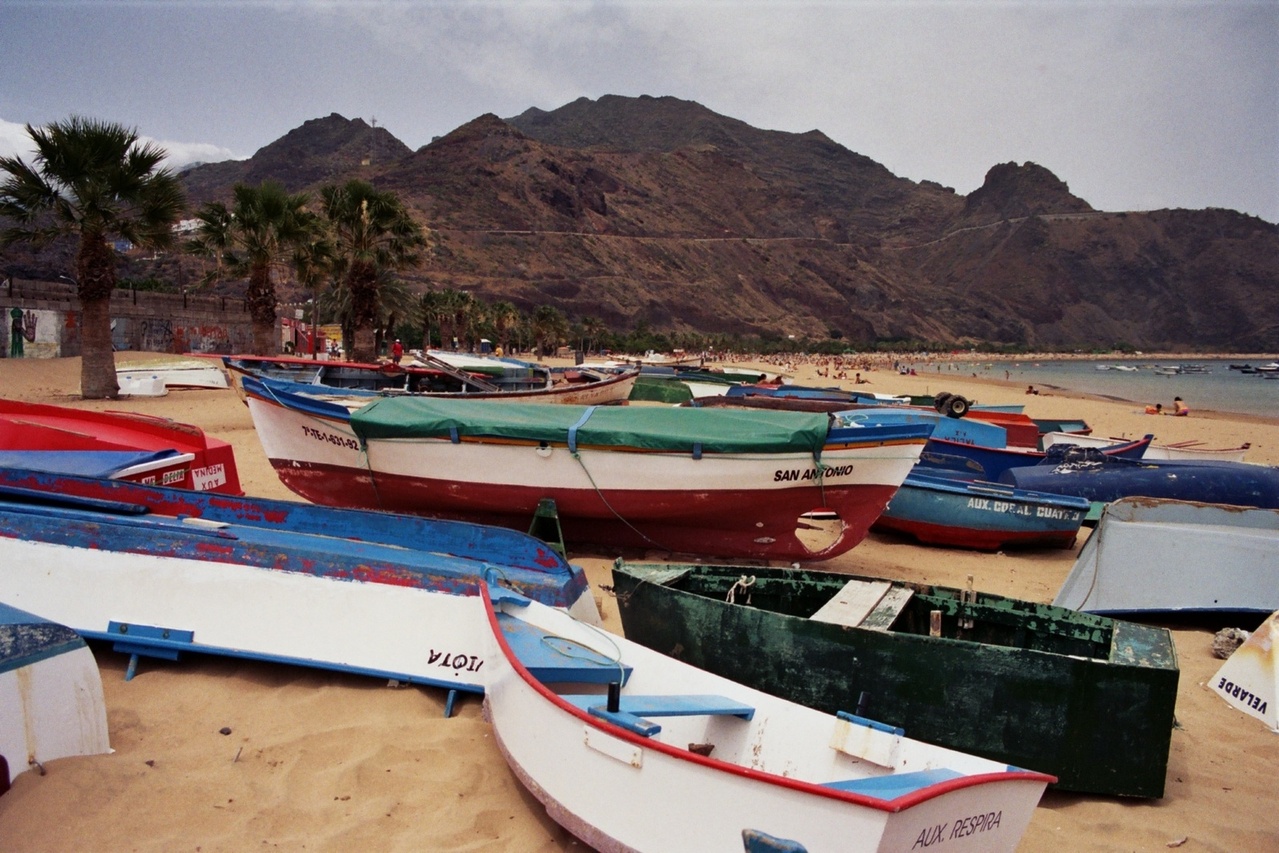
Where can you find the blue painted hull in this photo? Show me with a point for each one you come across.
(990, 463)
(162, 571)
(952, 429)
(982, 516)
(1108, 479)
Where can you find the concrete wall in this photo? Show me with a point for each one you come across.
(140, 320)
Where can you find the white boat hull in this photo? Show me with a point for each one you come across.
(616, 790)
(1152, 555)
(51, 703)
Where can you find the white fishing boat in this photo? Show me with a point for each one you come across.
(353, 384)
(1153, 556)
(631, 750)
(166, 572)
(51, 702)
(155, 377)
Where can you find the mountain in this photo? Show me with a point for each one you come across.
(322, 150)
(660, 211)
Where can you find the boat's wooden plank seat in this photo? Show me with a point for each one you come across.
(632, 709)
(865, 604)
(870, 740)
(895, 785)
(553, 660)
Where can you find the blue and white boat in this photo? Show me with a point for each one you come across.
(631, 750)
(161, 572)
(51, 702)
(979, 515)
(990, 463)
(1104, 478)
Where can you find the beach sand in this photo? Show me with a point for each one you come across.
(324, 761)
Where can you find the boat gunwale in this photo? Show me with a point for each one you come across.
(1083, 621)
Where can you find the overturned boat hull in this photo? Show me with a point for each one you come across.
(1159, 556)
(163, 572)
(981, 516)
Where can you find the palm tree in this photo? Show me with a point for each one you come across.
(594, 330)
(455, 309)
(373, 233)
(91, 180)
(470, 318)
(505, 317)
(549, 328)
(429, 313)
(256, 238)
(313, 261)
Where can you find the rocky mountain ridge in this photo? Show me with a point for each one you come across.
(660, 211)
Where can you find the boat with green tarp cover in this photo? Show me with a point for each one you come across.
(1088, 699)
(640, 427)
(728, 483)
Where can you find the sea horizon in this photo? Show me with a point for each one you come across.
(1217, 389)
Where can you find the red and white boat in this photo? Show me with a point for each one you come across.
(199, 462)
(631, 750)
(719, 482)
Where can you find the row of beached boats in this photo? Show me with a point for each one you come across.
(754, 708)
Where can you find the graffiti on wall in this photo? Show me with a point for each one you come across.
(162, 335)
(32, 333)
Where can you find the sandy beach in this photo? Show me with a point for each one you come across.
(323, 761)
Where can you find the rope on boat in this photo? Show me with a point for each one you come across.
(578, 456)
(548, 638)
(744, 584)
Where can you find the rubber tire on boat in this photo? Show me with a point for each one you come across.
(956, 407)
(939, 402)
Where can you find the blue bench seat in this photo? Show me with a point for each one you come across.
(632, 710)
(555, 660)
(895, 785)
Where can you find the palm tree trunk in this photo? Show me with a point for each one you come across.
(97, 360)
(364, 345)
(260, 302)
(95, 269)
(362, 284)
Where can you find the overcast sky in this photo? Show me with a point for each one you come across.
(1136, 105)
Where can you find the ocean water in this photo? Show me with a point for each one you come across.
(1221, 389)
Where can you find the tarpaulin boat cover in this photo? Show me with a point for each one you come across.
(641, 427)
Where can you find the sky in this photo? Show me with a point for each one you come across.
(1135, 104)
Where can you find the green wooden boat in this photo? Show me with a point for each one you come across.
(1086, 698)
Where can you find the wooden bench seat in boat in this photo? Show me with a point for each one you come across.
(632, 710)
(866, 604)
(870, 740)
(895, 785)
